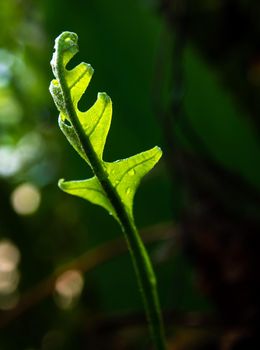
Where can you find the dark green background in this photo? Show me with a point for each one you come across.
(122, 41)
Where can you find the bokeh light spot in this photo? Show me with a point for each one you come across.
(26, 199)
(9, 256)
(9, 281)
(9, 274)
(68, 288)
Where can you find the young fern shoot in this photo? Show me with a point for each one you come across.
(113, 184)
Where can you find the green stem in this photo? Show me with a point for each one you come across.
(141, 261)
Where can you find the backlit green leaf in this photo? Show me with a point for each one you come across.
(126, 174)
(90, 190)
(114, 184)
(87, 132)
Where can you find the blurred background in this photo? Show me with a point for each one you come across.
(183, 76)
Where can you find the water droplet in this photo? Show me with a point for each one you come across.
(128, 190)
(131, 172)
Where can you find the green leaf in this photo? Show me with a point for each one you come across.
(126, 174)
(87, 132)
(90, 190)
(114, 184)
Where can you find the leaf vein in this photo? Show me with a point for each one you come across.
(78, 79)
(98, 121)
(131, 168)
(90, 189)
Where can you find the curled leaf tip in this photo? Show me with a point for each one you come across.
(66, 46)
(66, 39)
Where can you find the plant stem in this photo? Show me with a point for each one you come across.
(141, 261)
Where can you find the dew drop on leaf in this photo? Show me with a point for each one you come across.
(131, 172)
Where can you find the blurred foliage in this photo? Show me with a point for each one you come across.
(45, 234)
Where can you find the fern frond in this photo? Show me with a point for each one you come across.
(113, 184)
(67, 90)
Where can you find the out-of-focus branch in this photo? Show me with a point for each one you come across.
(107, 324)
(86, 262)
